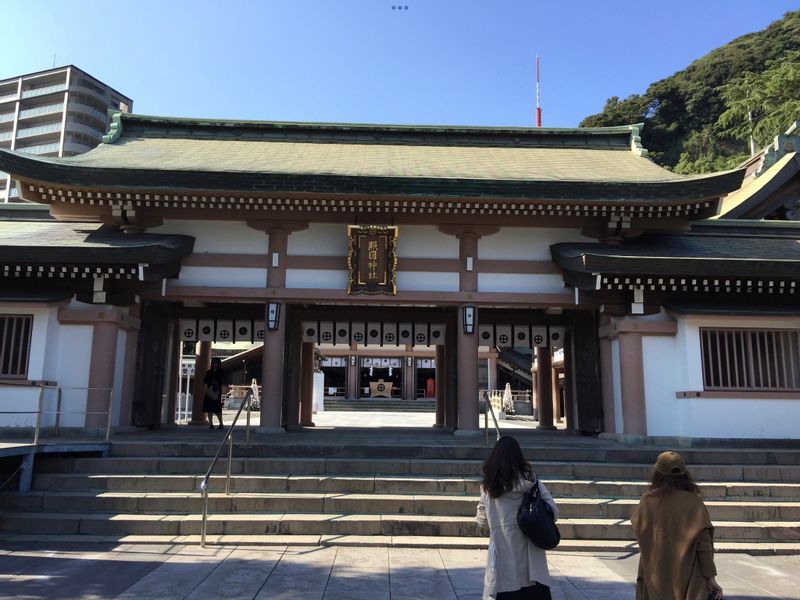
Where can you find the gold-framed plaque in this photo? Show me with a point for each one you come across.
(372, 259)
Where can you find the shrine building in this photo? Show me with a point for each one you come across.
(411, 258)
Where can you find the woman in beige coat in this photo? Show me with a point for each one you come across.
(676, 537)
(515, 568)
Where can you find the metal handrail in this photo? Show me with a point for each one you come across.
(489, 408)
(10, 477)
(58, 412)
(228, 439)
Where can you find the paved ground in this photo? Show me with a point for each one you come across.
(142, 572)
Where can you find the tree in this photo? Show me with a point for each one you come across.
(684, 129)
(762, 104)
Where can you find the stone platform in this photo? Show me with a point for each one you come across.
(176, 571)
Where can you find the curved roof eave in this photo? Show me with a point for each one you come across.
(55, 172)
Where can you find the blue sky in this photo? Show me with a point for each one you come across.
(464, 62)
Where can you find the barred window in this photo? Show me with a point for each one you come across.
(15, 345)
(751, 359)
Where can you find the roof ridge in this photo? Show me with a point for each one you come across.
(629, 129)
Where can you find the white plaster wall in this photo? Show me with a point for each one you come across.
(663, 376)
(220, 237)
(316, 279)
(616, 381)
(320, 239)
(74, 347)
(221, 277)
(425, 241)
(527, 284)
(673, 364)
(418, 281)
(516, 243)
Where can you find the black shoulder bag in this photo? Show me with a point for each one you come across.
(536, 519)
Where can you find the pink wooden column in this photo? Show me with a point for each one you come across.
(544, 387)
(467, 376)
(440, 386)
(307, 384)
(409, 381)
(634, 418)
(101, 373)
(272, 359)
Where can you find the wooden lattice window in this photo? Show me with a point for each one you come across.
(15, 345)
(751, 359)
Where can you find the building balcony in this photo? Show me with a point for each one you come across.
(37, 131)
(92, 132)
(103, 97)
(42, 91)
(6, 117)
(40, 149)
(5, 136)
(79, 106)
(40, 111)
(9, 98)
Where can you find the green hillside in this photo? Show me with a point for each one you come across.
(697, 120)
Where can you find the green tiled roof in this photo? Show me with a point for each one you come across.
(355, 159)
(342, 158)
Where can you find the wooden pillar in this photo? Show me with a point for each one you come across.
(468, 411)
(101, 373)
(292, 374)
(273, 356)
(440, 386)
(409, 381)
(557, 416)
(607, 377)
(634, 419)
(544, 387)
(202, 363)
(467, 376)
(129, 374)
(307, 384)
(353, 370)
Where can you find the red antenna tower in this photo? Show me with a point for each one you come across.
(538, 97)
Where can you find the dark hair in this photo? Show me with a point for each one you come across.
(504, 467)
(217, 360)
(667, 483)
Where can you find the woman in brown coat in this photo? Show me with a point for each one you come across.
(675, 537)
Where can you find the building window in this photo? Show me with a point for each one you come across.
(751, 359)
(15, 345)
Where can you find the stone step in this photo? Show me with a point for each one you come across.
(561, 488)
(559, 469)
(552, 451)
(754, 548)
(359, 504)
(378, 406)
(344, 524)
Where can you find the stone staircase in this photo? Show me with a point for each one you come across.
(389, 494)
(380, 405)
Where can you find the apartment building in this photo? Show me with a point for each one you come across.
(58, 112)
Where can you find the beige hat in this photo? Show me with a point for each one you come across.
(670, 463)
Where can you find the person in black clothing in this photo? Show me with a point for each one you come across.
(212, 402)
